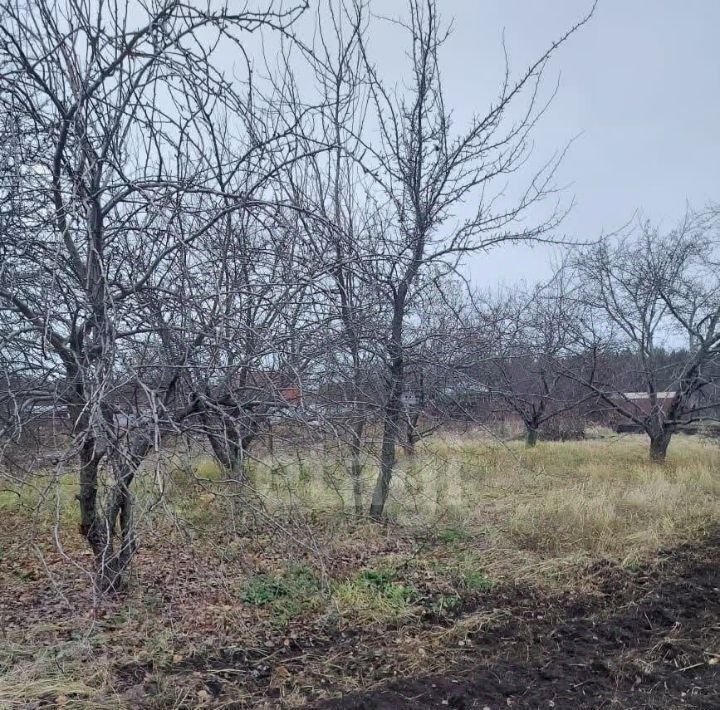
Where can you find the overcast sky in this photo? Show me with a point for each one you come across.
(640, 87)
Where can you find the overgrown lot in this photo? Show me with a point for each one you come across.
(570, 575)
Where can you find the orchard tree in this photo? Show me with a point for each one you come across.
(534, 350)
(106, 98)
(645, 294)
(426, 173)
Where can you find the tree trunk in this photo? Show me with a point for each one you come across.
(387, 464)
(531, 436)
(659, 443)
(356, 475)
(411, 435)
(230, 452)
(270, 440)
(236, 468)
(393, 412)
(90, 455)
(90, 525)
(115, 563)
(356, 466)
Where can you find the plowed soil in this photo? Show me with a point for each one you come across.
(650, 640)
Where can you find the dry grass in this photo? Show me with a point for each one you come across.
(600, 496)
(220, 567)
(48, 675)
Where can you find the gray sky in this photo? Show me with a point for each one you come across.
(640, 86)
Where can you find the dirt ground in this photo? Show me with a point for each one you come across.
(648, 638)
(652, 641)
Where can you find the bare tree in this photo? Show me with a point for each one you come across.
(338, 219)
(111, 93)
(424, 172)
(443, 344)
(533, 351)
(389, 190)
(647, 294)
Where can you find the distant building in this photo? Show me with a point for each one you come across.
(642, 405)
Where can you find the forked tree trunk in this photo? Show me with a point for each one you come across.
(231, 451)
(115, 561)
(412, 435)
(111, 560)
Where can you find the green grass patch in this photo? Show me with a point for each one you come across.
(290, 593)
(447, 603)
(264, 588)
(375, 594)
(476, 581)
(450, 535)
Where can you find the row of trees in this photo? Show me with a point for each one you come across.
(627, 327)
(193, 247)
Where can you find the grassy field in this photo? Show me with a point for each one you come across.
(279, 596)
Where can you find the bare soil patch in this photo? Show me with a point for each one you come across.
(652, 640)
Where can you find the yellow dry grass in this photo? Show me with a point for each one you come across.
(538, 515)
(599, 496)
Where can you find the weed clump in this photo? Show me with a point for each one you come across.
(375, 595)
(289, 594)
(476, 581)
